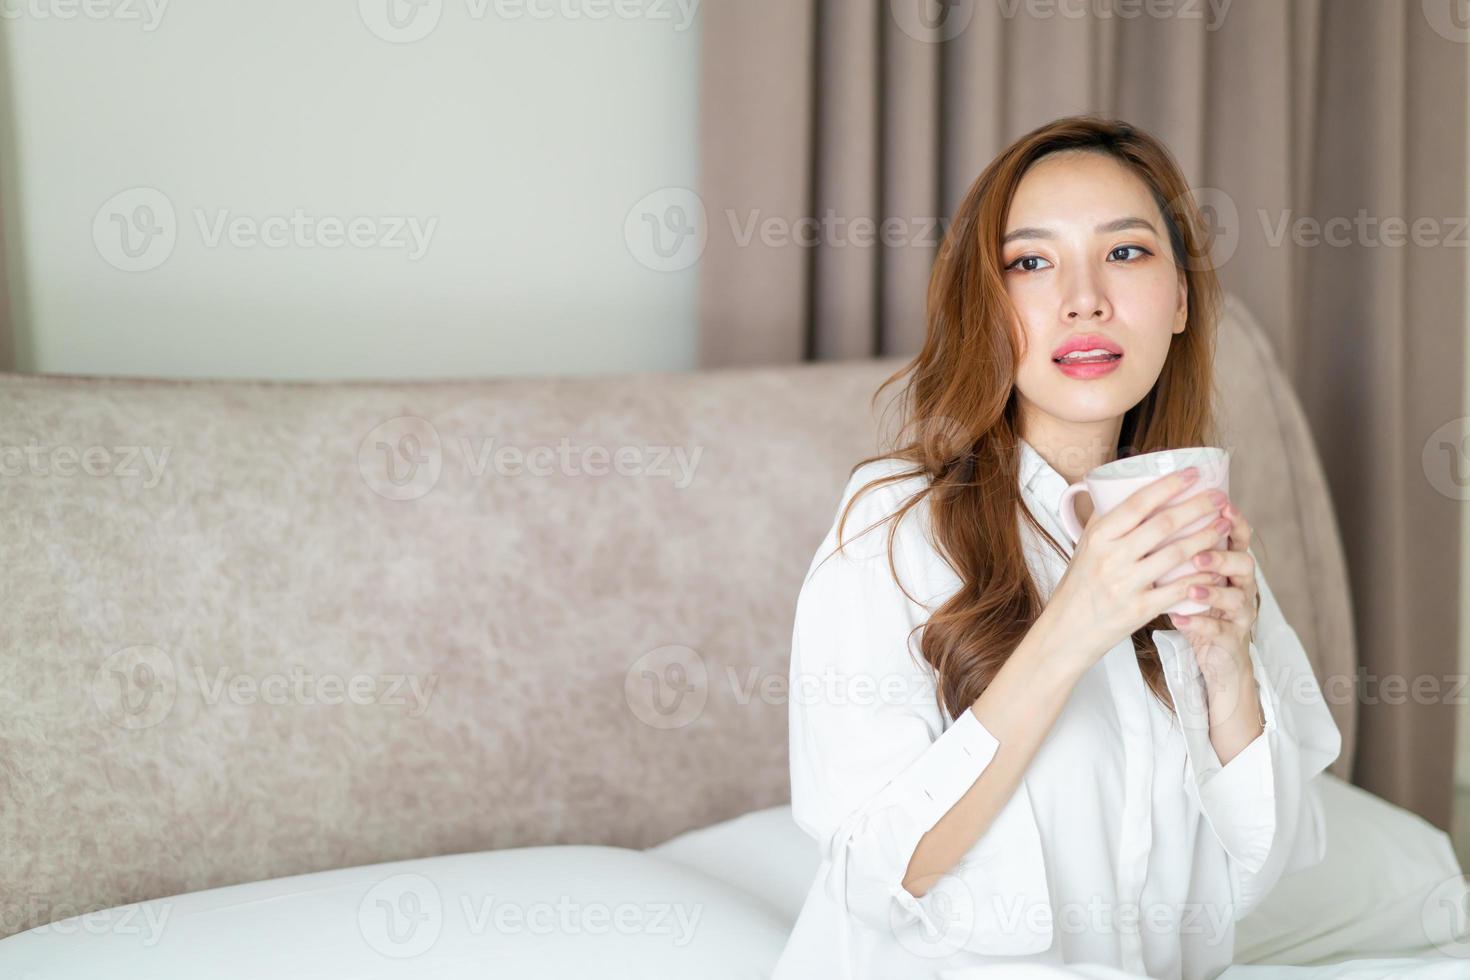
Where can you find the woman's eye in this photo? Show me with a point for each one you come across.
(1026, 258)
(1125, 248)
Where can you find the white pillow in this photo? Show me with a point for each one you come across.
(764, 853)
(1389, 884)
(1386, 886)
(568, 911)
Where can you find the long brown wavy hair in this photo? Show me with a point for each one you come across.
(960, 418)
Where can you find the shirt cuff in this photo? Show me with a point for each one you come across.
(906, 809)
(969, 906)
(935, 782)
(930, 788)
(1238, 799)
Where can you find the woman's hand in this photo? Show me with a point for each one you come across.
(1107, 591)
(1221, 636)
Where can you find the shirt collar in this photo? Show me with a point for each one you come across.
(1041, 478)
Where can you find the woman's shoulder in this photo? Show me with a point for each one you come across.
(900, 479)
(894, 482)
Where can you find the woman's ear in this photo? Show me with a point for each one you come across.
(1181, 315)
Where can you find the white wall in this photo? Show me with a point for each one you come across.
(516, 134)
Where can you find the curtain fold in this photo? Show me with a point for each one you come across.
(1288, 119)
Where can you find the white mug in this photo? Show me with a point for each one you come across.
(1112, 483)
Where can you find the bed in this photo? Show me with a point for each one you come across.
(1388, 901)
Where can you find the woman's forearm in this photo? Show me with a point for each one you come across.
(1018, 709)
(1237, 728)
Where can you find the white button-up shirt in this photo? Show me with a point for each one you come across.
(1127, 844)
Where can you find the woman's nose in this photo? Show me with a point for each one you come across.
(1083, 299)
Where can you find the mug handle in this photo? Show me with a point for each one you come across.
(1068, 511)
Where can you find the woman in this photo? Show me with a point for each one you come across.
(1011, 752)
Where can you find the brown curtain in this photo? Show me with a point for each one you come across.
(887, 109)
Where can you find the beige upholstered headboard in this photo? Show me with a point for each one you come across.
(239, 645)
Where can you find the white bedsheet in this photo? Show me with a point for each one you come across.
(1401, 968)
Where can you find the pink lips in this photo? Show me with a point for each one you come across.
(1086, 341)
(1094, 370)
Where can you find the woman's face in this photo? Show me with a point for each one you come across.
(1086, 253)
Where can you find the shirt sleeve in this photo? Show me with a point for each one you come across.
(1264, 806)
(873, 764)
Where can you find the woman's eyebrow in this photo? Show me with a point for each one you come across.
(1117, 224)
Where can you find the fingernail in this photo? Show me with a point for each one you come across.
(1190, 474)
(1222, 525)
(1217, 496)
(1197, 592)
